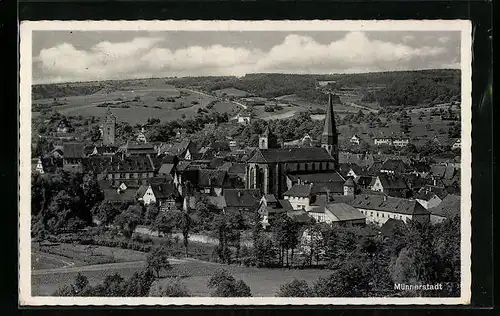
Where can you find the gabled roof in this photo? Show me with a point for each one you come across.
(270, 198)
(449, 207)
(142, 190)
(166, 168)
(349, 182)
(345, 212)
(237, 168)
(389, 204)
(290, 155)
(74, 150)
(299, 190)
(164, 191)
(242, 197)
(439, 191)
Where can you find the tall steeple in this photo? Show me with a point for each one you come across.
(108, 128)
(268, 140)
(329, 137)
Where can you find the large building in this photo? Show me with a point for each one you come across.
(268, 167)
(108, 129)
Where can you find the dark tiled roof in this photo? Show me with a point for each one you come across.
(96, 164)
(74, 150)
(438, 170)
(374, 168)
(323, 177)
(270, 198)
(391, 182)
(166, 168)
(395, 164)
(449, 207)
(211, 178)
(131, 164)
(328, 187)
(106, 150)
(182, 166)
(164, 191)
(389, 204)
(439, 191)
(345, 212)
(242, 197)
(290, 155)
(142, 190)
(299, 190)
(449, 172)
(237, 168)
(299, 216)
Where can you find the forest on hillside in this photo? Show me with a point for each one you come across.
(398, 88)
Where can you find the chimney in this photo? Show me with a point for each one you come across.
(385, 198)
(240, 194)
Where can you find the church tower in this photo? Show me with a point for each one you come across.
(329, 137)
(108, 129)
(268, 140)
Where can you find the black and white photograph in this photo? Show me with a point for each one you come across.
(245, 162)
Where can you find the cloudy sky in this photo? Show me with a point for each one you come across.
(65, 56)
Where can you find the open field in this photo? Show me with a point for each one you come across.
(80, 255)
(135, 104)
(194, 274)
(262, 281)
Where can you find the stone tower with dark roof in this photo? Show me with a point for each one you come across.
(268, 140)
(108, 128)
(329, 137)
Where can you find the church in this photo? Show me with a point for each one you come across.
(270, 167)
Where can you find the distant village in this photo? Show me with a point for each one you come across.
(305, 178)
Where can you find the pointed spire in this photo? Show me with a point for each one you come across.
(330, 130)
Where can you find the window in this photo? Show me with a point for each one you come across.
(383, 215)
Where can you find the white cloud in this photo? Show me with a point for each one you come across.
(443, 39)
(296, 54)
(408, 38)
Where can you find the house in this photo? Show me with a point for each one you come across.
(210, 181)
(355, 171)
(340, 213)
(141, 137)
(299, 196)
(138, 149)
(427, 198)
(354, 139)
(456, 144)
(447, 209)
(421, 169)
(236, 173)
(164, 195)
(329, 181)
(64, 126)
(390, 185)
(134, 170)
(241, 200)
(37, 165)
(244, 118)
(74, 154)
(270, 206)
(378, 209)
(394, 166)
(304, 142)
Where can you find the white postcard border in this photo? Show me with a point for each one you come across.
(26, 29)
